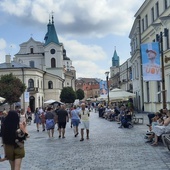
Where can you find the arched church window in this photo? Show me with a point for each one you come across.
(50, 85)
(53, 63)
(30, 83)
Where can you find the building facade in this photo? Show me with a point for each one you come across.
(43, 67)
(125, 82)
(136, 62)
(90, 86)
(151, 23)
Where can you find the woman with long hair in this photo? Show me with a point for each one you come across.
(14, 152)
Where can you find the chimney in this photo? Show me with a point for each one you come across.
(8, 58)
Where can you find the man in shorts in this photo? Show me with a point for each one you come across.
(62, 119)
(84, 115)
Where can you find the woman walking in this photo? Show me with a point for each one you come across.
(75, 119)
(13, 151)
(37, 118)
(50, 123)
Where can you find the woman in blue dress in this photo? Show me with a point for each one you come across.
(37, 119)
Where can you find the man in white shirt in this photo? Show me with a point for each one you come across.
(84, 115)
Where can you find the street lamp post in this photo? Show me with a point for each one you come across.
(107, 80)
(163, 72)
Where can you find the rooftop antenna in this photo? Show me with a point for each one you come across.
(115, 48)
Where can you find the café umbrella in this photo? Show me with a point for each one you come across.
(2, 99)
(119, 95)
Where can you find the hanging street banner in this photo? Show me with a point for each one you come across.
(103, 88)
(151, 62)
(26, 96)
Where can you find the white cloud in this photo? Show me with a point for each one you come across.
(99, 18)
(2, 44)
(6, 49)
(18, 8)
(82, 19)
(79, 51)
(88, 69)
(87, 59)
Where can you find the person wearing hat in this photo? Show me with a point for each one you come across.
(151, 69)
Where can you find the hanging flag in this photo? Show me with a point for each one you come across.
(103, 89)
(26, 96)
(151, 62)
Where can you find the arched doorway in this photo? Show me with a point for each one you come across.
(32, 103)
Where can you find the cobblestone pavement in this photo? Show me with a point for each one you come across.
(109, 148)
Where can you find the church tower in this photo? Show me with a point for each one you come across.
(115, 59)
(53, 51)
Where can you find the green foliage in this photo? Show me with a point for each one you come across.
(11, 88)
(80, 94)
(68, 95)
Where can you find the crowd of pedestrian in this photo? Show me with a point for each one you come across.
(14, 133)
(122, 114)
(14, 127)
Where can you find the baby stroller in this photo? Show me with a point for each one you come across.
(29, 118)
(126, 121)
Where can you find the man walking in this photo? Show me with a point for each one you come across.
(62, 119)
(84, 115)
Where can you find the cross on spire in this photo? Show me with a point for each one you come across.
(52, 17)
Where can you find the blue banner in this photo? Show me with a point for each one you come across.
(103, 88)
(151, 62)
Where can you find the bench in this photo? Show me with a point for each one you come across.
(138, 120)
(166, 140)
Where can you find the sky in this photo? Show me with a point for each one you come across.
(89, 29)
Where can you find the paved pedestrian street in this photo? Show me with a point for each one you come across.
(109, 148)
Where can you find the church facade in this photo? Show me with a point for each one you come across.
(43, 67)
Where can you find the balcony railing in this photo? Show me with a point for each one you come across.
(32, 89)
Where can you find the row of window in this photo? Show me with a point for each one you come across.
(31, 84)
(135, 73)
(154, 14)
(53, 63)
(148, 91)
(89, 83)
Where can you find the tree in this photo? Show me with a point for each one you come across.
(80, 94)
(68, 95)
(11, 88)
